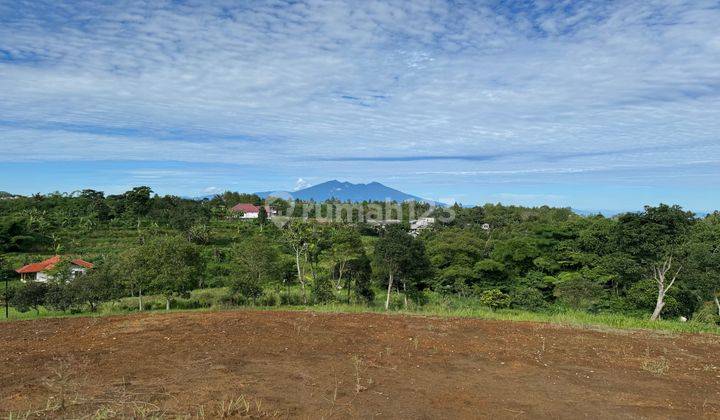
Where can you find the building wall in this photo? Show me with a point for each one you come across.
(44, 277)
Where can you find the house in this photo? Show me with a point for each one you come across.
(420, 224)
(251, 211)
(40, 271)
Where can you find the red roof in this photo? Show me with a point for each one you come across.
(250, 208)
(49, 264)
(246, 208)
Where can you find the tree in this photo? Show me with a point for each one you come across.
(359, 272)
(58, 296)
(256, 264)
(262, 216)
(390, 254)
(138, 272)
(97, 285)
(402, 257)
(654, 237)
(166, 265)
(346, 246)
(702, 252)
(665, 281)
(30, 296)
(296, 236)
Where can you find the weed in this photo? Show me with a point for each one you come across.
(658, 366)
(359, 368)
(62, 384)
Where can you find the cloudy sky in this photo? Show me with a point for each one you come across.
(589, 104)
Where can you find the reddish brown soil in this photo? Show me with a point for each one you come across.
(307, 365)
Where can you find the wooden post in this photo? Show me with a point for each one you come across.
(7, 304)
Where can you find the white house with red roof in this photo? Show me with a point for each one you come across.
(40, 271)
(251, 211)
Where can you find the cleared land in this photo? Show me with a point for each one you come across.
(313, 365)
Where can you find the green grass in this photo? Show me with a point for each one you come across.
(212, 298)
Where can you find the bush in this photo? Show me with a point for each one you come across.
(247, 287)
(494, 299)
(30, 296)
(291, 299)
(528, 298)
(269, 299)
(707, 313)
(577, 292)
(59, 296)
(322, 290)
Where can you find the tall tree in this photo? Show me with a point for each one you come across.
(296, 236)
(256, 264)
(262, 216)
(402, 257)
(167, 265)
(346, 245)
(654, 237)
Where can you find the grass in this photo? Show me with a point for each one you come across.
(568, 318)
(562, 317)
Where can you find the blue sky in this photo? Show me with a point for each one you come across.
(589, 104)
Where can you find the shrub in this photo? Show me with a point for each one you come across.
(494, 299)
(269, 299)
(707, 313)
(247, 288)
(322, 290)
(528, 298)
(30, 296)
(577, 292)
(291, 299)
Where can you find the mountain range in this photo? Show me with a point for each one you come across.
(345, 191)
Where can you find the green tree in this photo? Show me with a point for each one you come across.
(297, 236)
(166, 265)
(346, 246)
(654, 237)
(256, 263)
(402, 257)
(30, 296)
(97, 285)
(137, 201)
(262, 216)
(390, 254)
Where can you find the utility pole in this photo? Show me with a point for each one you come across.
(2, 273)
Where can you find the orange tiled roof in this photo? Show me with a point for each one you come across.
(49, 264)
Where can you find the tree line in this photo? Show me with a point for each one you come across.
(660, 262)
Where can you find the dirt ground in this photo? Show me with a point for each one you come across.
(308, 365)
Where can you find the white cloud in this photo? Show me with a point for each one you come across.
(300, 184)
(280, 85)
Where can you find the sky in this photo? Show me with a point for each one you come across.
(588, 104)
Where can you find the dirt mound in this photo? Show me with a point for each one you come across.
(300, 364)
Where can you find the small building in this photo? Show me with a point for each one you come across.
(420, 224)
(40, 271)
(251, 211)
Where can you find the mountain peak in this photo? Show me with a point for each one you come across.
(344, 191)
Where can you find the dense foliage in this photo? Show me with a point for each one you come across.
(662, 259)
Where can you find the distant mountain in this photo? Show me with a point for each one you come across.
(344, 191)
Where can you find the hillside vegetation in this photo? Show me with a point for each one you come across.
(152, 252)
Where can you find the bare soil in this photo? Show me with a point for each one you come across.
(321, 365)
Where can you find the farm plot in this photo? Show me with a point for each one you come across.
(326, 365)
